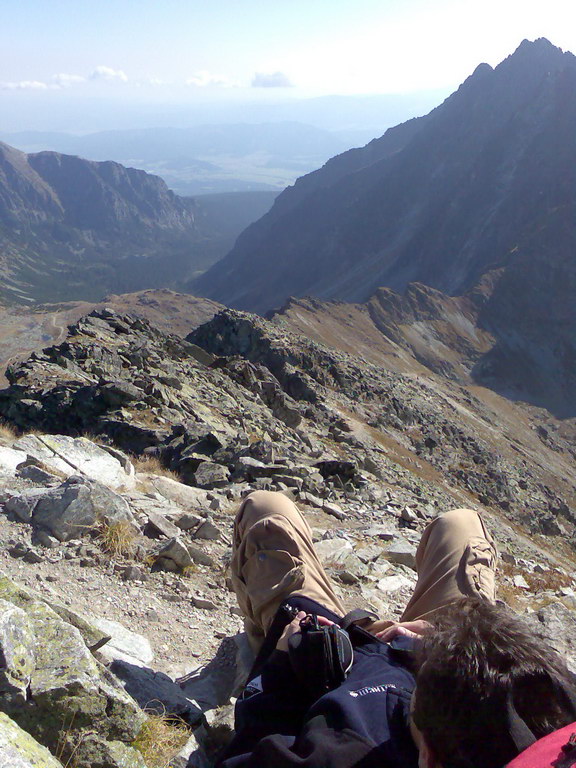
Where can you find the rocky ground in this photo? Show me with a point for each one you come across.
(133, 525)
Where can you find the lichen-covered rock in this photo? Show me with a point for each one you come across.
(56, 690)
(22, 597)
(19, 750)
(95, 752)
(16, 654)
(70, 692)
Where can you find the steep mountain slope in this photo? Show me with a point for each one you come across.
(75, 229)
(480, 196)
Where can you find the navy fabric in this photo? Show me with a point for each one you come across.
(363, 722)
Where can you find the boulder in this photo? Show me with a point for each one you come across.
(19, 750)
(73, 508)
(78, 456)
(210, 475)
(9, 460)
(157, 692)
(184, 496)
(69, 696)
(401, 552)
(176, 551)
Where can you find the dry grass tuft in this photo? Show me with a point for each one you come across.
(153, 466)
(118, 539)
(160, 739)
(7, 431)
(551, 581)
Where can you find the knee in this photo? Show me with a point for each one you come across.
(260, 504)
(466, 520)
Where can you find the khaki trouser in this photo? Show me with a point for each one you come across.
(273, 558)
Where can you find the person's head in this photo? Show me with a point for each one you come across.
(484, 676)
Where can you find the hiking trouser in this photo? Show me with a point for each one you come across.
(273, 558)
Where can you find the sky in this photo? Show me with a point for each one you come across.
(182, 52)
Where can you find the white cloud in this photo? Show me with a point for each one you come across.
(63, 80)
(204, 78)
(26, 85)
(271, 80)
(107, 73)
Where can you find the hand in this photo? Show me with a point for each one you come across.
(413, 629)
(294, 626)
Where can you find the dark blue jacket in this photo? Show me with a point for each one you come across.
(363, 722)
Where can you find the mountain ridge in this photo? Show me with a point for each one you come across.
(478, 196)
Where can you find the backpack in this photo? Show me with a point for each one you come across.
(557, 750)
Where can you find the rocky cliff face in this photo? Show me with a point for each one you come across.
(477, 196)
(74, 229)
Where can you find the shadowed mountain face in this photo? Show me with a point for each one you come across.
(71, 229)
(477, 197)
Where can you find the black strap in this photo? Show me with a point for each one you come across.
(358, 614)
(520, 734)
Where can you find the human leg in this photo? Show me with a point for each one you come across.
(273, 558)
(456, 558)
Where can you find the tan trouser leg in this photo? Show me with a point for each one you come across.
(456, 558)
(272, 558)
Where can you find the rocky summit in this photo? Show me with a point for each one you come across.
(476, 200)
(124, 454)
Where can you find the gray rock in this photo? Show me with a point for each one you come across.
(37, 475)
(95, 752)
(78, 505)
(210, 475)
(69, 693)
(16, 653)
(23, 505)
(183, 495)
(203, 603)
(520, 582)
(208, 530)
(311, 500)
(386, 533)
(394, 583)
(559, 624)
(199, 556)
(124, 645)
(334, 510)
(401, 552)
(160, 525)
(190, 756)
(332, 552)
(187, 521)
(176, 551)
(9, 460)
(23, 598)
(19, 750)
(408, 515)
(78, 456)
(157, 692)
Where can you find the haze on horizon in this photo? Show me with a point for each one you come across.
(68, 65)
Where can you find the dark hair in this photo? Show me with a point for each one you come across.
(479, 660)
